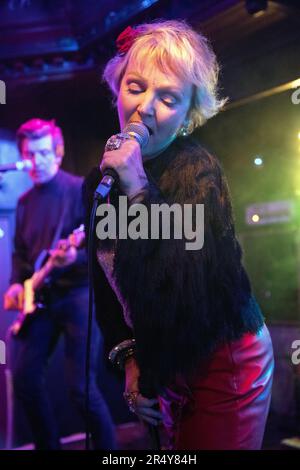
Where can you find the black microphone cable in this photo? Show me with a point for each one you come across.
(91, 251)
(98, 197)
(140, 133)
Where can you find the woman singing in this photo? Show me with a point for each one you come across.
(182, 322)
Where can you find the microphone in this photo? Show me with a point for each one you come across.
(23, 165)
(134, 130)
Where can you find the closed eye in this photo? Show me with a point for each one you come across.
(169, 100)
(134, 91)
(135, 87)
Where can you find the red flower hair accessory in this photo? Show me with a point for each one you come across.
(126, 39)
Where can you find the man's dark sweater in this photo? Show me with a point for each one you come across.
(39, 212)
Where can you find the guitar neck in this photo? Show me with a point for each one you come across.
(75, 239)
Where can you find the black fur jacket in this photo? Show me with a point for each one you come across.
(183, 303)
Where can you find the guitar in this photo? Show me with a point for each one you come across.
(37, 280)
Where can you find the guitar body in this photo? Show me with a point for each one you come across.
(31, 304)
(30, 309)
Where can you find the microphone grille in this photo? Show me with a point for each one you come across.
(27, 165)
(138, 131)
(23, 165)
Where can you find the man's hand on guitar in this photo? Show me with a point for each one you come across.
(63, 255)
(22, 297)
(14, 297)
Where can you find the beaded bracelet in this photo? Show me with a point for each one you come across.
(121, 352)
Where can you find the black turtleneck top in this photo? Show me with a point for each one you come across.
(39, 211)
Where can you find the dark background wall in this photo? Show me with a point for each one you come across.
(56, 73)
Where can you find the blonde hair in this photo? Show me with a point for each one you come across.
(173, 46)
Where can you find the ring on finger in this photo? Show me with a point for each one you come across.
(131, 400)
(115, 141)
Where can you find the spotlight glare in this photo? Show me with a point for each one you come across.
(256, 7)
(295, 83)
(258, 161)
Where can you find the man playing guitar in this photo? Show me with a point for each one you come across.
(46, 215)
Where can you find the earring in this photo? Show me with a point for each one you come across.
(183, 131)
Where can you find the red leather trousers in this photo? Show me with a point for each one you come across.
(226, 405)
